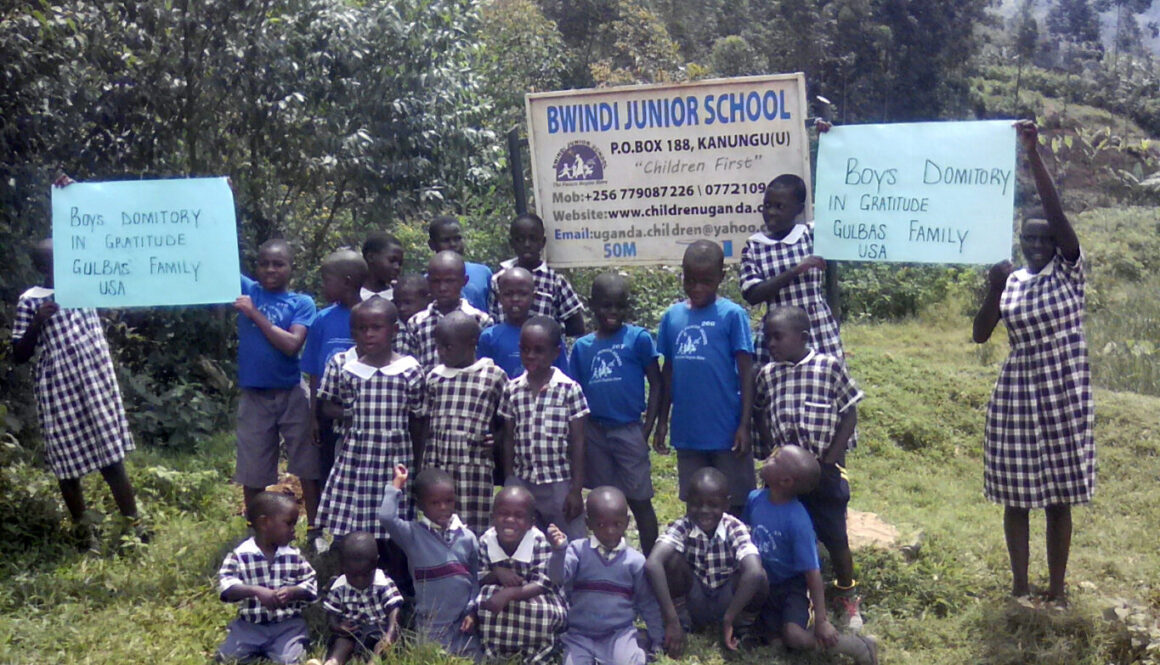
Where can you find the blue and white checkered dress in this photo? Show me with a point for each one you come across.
(1039, 449)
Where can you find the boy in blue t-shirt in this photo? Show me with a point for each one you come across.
(342, 273)
(445, 234)
(611, 365)
(707, 377)
(272, 326)
(501, 342)
(784, 535)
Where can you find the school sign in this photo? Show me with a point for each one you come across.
(632, 175)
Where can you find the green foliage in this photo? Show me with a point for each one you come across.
(522, 52)
(733, 56)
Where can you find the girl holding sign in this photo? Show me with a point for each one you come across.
(1039, 451)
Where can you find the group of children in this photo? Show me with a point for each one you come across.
(474, 387)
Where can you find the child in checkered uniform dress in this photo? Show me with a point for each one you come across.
(519, 611)
(554, 296)
(78, 402)
(445, 276)
(778, 266)
(271, 582)
(380, 395)
(463, 394)
(1039, 451)
(362, 604)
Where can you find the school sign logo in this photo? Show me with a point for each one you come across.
(579, 161)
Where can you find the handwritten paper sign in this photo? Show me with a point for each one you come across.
(932, 192)
(142, 243)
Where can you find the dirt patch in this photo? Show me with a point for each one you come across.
(869, 530)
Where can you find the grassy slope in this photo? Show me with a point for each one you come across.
(919, 466)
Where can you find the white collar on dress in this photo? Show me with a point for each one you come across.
(556, 378)
(386, 294)
(251, 547)
(452, 372)
(791, 238)
(37, 292)
(1024, 275)
(722, 532)
(379, 579)
(365, 371)
(512, 262)
(524, 552)
(799, 363)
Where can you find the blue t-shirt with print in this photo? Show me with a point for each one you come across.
(783, 534)
(611, 371)
(501, 343)
(329, 334)
(260, 365)
(477, 291)
(701, 344)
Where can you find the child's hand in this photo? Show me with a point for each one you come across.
(45, 312)
(498, 600)
(659, 436)
(347, 626)
(727, 637)
(382, 645)
(488, 441)
(573, 504)
(809, 263)
(998, 274)
(508, 577)
(825, 632)
(285, 595)
(62, 181)
(245, 305)
(1028, 134)
(557, 537)
(468, 624)
(742, 441)
(400, 479)
(822, 126)
(268, 598)
(674, 639)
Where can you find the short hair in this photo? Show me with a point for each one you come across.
(608, 281)
(266, 503)
(277, 244)
(348, 262)
(448, 258)
(515, 493)
(708, 479)
(430, 477)
(458, 323)
(605, 496)
(792, 182)
(550, 325)
(801, 465)
(513, 272)
(704, 252)
(378, 241)
(791, 314)
(360, 545)
(528, 217)
(438, 224)
(377, 305)
(412, 280)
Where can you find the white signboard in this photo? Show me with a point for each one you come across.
(633, 175)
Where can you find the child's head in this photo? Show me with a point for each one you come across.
(708, 498)
(343, 273)
(1037, 243)
(526, 238)
(446, 275)
(372, 324)
(384, 256)
(444, 234)
(790, 471)
(273, 516)
(512, 513)
(702, 271)
(609, 301)
(435, 495)
(785, 198)
(275, 261)
(455, 338)
(517, 289)
(606, 512)
(540, 338)
(412, 295)
(42, 259)
(787, 333)
(360, 557)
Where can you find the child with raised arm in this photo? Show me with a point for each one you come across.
(784, 536)
(519, 612)
(704, 568)
(543, 442)
(611, 365)
(1039, 450)
(501, 342)
(271, 582)
(384, 256)
(463, 395)
(442, 555)
(446, 276)
(553, 296)
(274, 402)
(603, 578)
(707, 377)
(779, 267)
(443, 234)
(806, 398)
(362, 606)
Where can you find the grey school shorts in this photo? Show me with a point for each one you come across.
(617, 455)
(282, 642)
(267, 417)
(739, 471)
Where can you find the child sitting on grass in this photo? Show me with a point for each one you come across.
(442, 555)
(808, 399)
(604, 580)
(785, 539)
(519, 611)
(704, 567)
(362, 604)
(271, 582)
